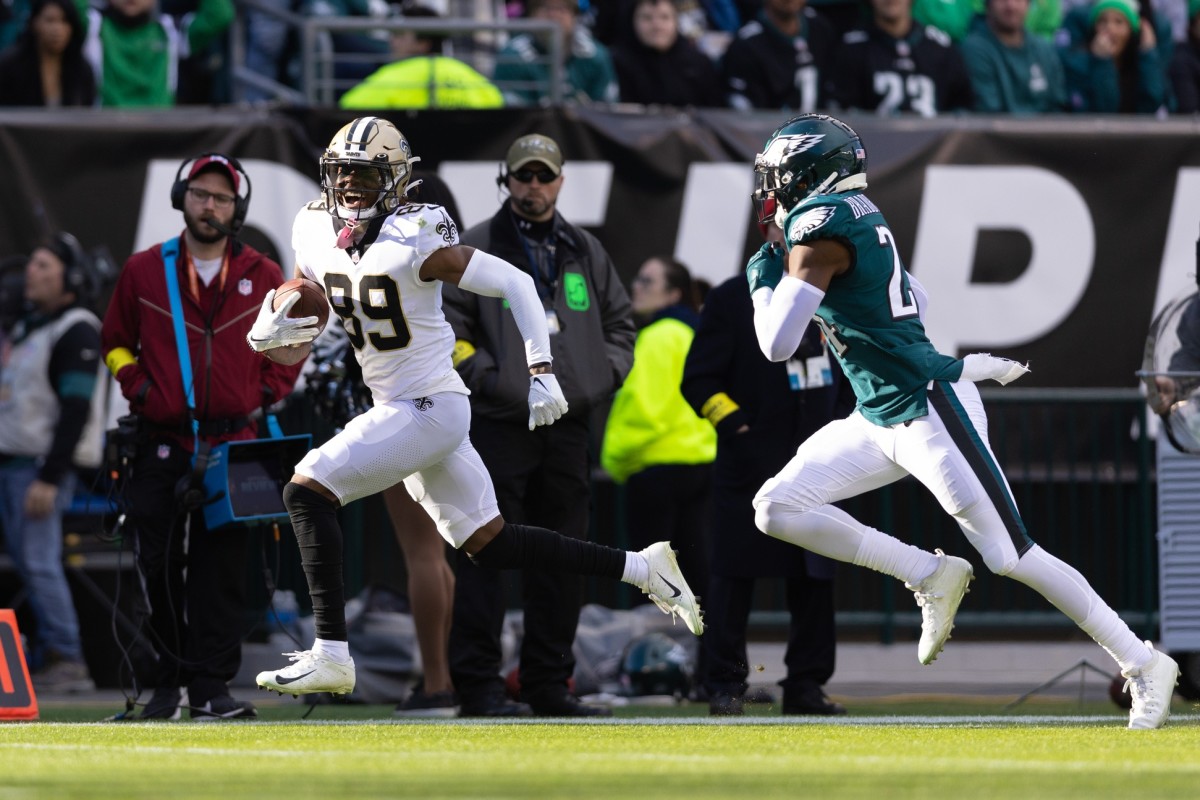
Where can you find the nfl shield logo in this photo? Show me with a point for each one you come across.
(164, 451)
(244, 287)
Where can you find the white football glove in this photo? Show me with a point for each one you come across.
(546, 401)
(274, 328)
(982, 366)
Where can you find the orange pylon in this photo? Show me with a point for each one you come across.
(17, 700)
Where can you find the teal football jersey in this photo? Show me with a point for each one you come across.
(869, 314)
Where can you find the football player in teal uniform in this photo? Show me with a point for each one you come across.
(918, 410)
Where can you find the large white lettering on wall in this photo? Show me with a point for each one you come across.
(960, 201)
(1178, 273)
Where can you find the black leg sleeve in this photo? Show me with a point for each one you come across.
(527, 547)
(314, 521)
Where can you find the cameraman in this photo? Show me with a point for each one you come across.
(198, 622)
(47, 383)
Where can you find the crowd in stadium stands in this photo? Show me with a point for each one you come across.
(923, 57)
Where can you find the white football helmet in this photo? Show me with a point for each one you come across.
(365, 171)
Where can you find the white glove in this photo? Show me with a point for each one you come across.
(546, 401)
(981, 366)
(274, 328)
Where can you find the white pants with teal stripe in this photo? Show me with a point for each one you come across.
(947, 450)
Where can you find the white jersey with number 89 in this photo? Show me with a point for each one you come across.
(393, 318)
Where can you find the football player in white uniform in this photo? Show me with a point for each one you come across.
(382, 261)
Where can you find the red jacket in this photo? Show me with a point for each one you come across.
(231, 380)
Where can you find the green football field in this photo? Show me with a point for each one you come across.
(927, 750)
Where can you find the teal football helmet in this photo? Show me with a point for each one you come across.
(809, 154)
(655, 664)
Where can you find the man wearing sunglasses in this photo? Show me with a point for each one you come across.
(541, 476)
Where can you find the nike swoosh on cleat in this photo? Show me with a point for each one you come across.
(674, 588)
(282, 681)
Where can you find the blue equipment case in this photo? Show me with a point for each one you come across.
(248, 477)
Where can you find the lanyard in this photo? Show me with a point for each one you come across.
(170, 253)
(539, 255)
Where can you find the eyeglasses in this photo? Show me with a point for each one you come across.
(527, 176)
(202, 196)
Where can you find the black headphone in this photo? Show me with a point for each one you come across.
(502, 176)
(78, 275)
(241, 203)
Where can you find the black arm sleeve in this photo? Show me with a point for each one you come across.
(706, 372)
(73, 365)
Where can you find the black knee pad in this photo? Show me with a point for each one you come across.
(297, 498)
(502, 552)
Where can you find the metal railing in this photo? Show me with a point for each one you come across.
(318, 57)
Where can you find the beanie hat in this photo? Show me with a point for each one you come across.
(1128, 9)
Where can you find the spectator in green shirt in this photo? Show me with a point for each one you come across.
(523, 69)
(1012, 71)
(1119, 68)
(955, 16)
(135, 50)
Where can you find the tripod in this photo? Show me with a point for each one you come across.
(1083, 667)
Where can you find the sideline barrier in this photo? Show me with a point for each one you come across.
(17, 700)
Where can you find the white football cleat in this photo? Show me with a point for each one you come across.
(313, 672)
(668, 589)
(939, 596)
(1151, 687)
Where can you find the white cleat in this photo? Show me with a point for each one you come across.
(1151, 686)
(668, 589)
(312, 672)
(939, 596)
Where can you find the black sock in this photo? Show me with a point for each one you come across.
(314, 521)
(527, 547)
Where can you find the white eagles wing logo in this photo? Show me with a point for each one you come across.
(785, 146)
(808, 222)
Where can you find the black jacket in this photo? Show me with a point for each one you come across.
(21, 78)
(1184, 72)
(725, 357)
(923, 72)
(680, 77)
(592, 353)
(763, 68)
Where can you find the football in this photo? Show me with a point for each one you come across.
(312, 303)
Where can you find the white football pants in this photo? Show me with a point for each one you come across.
(947, 450)
(423, 442)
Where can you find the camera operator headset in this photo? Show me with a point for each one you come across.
(190, 490)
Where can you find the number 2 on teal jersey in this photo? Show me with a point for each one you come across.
(900, 296)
